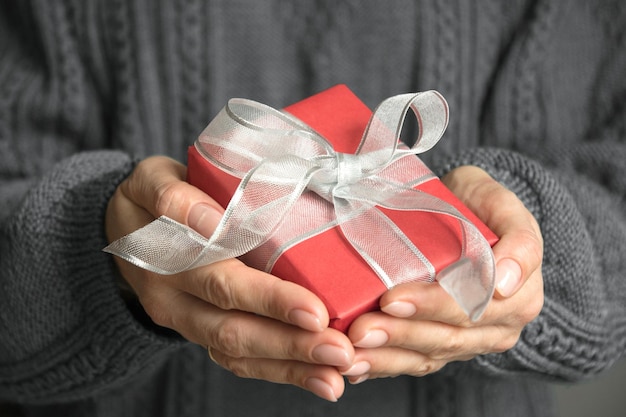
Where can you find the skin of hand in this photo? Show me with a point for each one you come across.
(421, 328)
(252, 323)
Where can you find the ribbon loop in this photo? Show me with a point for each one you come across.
(294, 185)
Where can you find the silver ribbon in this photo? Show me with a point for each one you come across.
(294, 186)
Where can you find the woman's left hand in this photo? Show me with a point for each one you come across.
(421, 328)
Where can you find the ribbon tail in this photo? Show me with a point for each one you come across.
(256, 211)
(465, 282)
(175, 247)
(471, 279)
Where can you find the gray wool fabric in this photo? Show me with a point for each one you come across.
(537, 98)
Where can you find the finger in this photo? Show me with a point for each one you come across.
(439, 341)
(245, 335)
(519, 250)
(323, 381)
(430, 302)
(424, 301)
(231, 285)
(390, 362)
(158, 185)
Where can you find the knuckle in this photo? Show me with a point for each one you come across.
(292, 375)
(272, 300)
(229, 338)
(427, 367)
(217, 290)
(499, 199)
(454, 345)
(495, 190)
(168, 194)
(292, 349)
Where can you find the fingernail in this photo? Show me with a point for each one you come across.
(331, 355)
(359, 368)
(305, 320)
(373, 339)
(400, 309)
(358, 380)
(204, 218)
(320, 388)
(508, 277)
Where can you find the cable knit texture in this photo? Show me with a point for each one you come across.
(537, 98)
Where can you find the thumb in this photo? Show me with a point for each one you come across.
(158, 185)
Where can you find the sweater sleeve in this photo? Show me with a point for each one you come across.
(567, 121)
(65, 331)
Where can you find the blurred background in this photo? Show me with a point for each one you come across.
(604, 396)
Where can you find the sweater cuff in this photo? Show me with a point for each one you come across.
(69, 332)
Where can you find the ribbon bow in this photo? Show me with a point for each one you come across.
(294, 186)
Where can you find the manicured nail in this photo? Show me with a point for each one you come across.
(320, 388)
(204, 219)
(358, 380)
(373, 339)
(400, 309)
(508, 277)
(359, 368)
(305, 320)
(331, 355)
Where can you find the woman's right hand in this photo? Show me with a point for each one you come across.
(252, 323)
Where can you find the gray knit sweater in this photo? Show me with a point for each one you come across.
(537, 94)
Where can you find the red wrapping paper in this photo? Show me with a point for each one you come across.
(327, 264)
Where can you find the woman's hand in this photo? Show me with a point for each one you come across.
(252, 323)
(421, 328)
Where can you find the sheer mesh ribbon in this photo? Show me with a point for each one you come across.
(294, 186)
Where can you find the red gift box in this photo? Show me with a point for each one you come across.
(326, 263)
